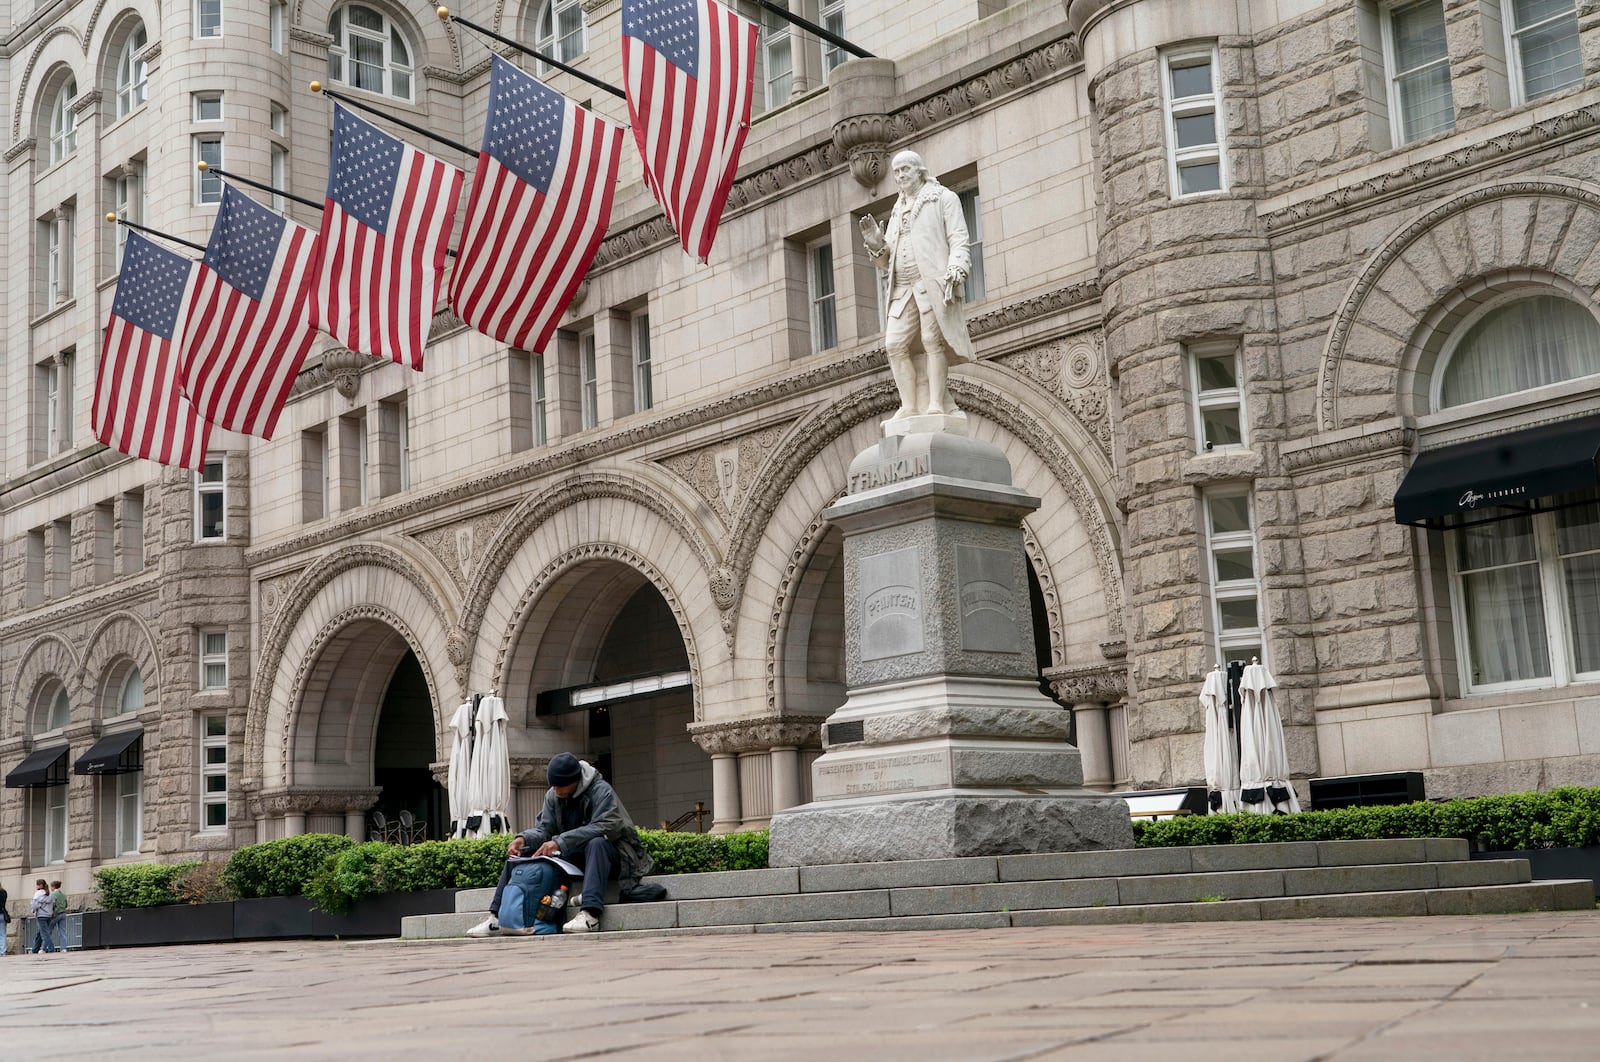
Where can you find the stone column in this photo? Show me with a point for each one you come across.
(725, 813)
(1094, 744)
(785, 777)
(355, 825)
(294, 824)
(944, 747)
(755, 789)
(747, 773)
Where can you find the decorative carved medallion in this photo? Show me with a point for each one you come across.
(460, 547)
(1074, 370)
(723, 474)
(273, 593)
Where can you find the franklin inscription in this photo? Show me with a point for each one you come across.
(893, 470)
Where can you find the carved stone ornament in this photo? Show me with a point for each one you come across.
(864, 141)
(293, 800)
(344, 367)
(1074, 370)
(460, 547)
(1096, 684)
(758, 735)
(724, 473)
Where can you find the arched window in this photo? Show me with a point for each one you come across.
(561, 32)
(63, 122)
(1517, 345)
(132, 76)
(132, 696)
(369, 52)
(60, 713)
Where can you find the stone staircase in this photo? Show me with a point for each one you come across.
(1298, 879)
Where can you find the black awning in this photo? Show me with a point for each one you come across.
(116, 753)
(1501, 476)
(42, 767)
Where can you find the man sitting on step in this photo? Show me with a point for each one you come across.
(583, 823)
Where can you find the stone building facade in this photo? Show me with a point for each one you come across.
(1196, 223)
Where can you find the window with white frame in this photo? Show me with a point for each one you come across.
(644, 395)
(133, 75)
(213, 659)
(207, 185)
(1195, 158)
(971, 212)
(1218, 398)
(1235, 593)
(561, 32)
(60, 713)
(55, 824)
(213, 771)
(313, 474)
(127, 193)
(207, 106)
(1517, 342)
(1542, 44)
(369, 52)
(208, 18)
(63, 122)
(777, 54)
(48, 391)
(60, 561)
(402, 428)
(278, 26)
(1417, 62)
(64, 366)
(130, 698)
(589, 391)
(819, 278)
(58, 232)
(211, 501)
(832, 12)
(541, 405)
(128, 794)
(280, 176)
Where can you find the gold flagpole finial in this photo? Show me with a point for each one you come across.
(316, 86)
(202, 166)
(111, 219)
(443, 13)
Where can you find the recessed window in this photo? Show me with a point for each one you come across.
(208, 18)
(211, 502)
(1544, 48)
(643, 384)
(131, 698)
(127, 193)
(278, 26)
(213, 660)
(1195, 161)
(562, 32)
(280, 176)
(63, 122)
(1219, 400)
(213, 772)
(1418, 64)
(133, 75)
(56, 230)
(824, 316)
(60, 710)
(589, 391)
(973, 215)
(1517, 345)
(541, 431)
(777, 53)
(208, 186)
(369, 52)
(832, 13)
(129, 797)
(55, 824)
(1235, 593)
(208, 106)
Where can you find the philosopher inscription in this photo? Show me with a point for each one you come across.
(988, 597)
(890, 589)
(894, 773)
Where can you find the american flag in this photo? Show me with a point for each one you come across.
(540, 203)
(385, 229)
(689, 68)
(139, 407)
(246, 333)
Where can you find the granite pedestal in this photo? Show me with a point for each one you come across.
(944, 747)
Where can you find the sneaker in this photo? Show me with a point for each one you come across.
(523, 931)
(486, 928)
(582, 922)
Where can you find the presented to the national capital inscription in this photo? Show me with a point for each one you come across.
(890, 587)
(896, 772)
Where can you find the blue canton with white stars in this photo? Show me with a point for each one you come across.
(366, 168)
(524, 130)
(671, 27)
(150, 289)
(244, 243)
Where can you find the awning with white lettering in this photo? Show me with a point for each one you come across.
(118, 753)
(1481, 480)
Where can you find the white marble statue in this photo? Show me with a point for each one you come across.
(924, 252)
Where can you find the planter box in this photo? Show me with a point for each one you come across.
(1548, 863)
(265, 918)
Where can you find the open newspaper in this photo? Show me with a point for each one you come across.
(561, 864)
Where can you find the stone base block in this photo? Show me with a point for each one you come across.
(947, 826)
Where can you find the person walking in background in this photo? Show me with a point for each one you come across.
(5, 918)
(58, 913)
(41, 910)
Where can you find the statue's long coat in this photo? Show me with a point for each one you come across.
(936, 229)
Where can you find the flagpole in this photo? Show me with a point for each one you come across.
(317, 86)
(114, 220)
(806, 24)
(205, 167)
(446, 16)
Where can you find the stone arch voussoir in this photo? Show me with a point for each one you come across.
(119, 637)
(49, 656)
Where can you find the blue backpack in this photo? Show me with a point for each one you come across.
(530, 883)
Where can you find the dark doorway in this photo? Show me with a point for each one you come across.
(405, 748)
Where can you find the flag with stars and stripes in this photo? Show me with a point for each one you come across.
(540, 203)
(245, 333)
(689, 69)
(385, 229)
(139, 406)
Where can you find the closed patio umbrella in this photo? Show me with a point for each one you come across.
(456, 782)
(1222, 764)
(1263, 757)
(489, 780)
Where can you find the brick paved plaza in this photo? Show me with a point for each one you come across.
(1460, 988)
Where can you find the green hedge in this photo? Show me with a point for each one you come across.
(1560, 818)
(280, 868)
(698, 853)
(140, 884)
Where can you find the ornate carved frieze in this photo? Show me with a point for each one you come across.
(723, 473)
(1045, 305)
(293, 800)
(759, 735)
(19, 149)
(1341, 451)
(1047, 590)
(272, 593)
(460, 546)
(1095, 684)
(1074, 371)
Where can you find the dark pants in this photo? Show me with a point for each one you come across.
(598, 861)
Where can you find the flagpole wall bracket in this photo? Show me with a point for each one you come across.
(862, 93)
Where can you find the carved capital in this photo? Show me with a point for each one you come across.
(295, 800)
(864, 141)
(1097, 684)
(758, 735)
(344, 367)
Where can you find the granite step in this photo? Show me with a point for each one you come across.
(1234, 882)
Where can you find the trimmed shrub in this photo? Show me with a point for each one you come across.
(374, 867)
(280, 868)
(201, 883)
(699, 853)
(1559, 818)
(139, 884)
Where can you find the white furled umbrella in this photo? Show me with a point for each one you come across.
(1263, 758)
(1222, 763)
(460, 768)
(489, 779)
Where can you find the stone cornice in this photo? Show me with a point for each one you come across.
(20, 148)
(1313, 454)
(74, 607)
(758, 735)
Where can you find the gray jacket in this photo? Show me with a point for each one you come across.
(593, 810)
